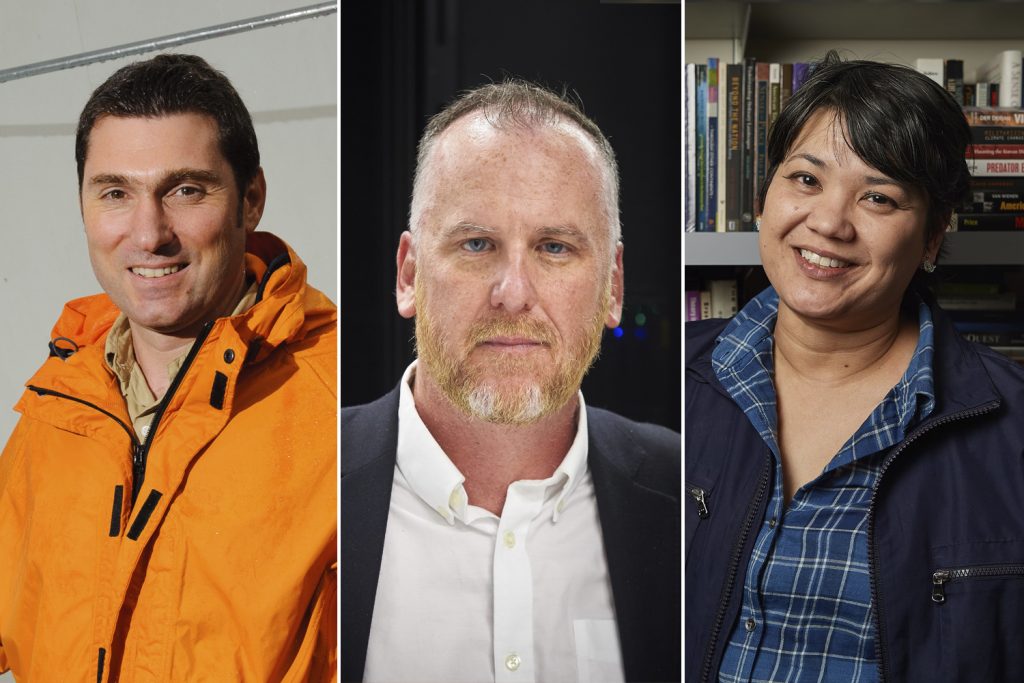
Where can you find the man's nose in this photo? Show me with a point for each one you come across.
(514, 289)
(151, 225)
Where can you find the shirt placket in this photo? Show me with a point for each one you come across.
(514, 660)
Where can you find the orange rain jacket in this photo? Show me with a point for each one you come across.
(208, 554)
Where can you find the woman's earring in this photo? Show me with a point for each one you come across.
(757, 224)
(927, 266)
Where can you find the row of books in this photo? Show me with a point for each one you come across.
(996, 162)
(987, 312)
(997, 82)
(717, 299)
(729, 109)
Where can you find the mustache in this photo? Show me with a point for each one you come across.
(527, 328)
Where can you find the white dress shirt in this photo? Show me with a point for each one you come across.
(465, 596)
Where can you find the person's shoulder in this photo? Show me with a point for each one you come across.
(648, 453)
(370, 415)
(701, 336)
(1006, 373)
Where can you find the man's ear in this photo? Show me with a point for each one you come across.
(618, 290)
(405, 282)
(254, 201)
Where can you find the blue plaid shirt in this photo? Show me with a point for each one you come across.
(806, 613)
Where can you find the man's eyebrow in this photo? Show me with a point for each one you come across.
(564, 231)
(464, 228)
(173, 177)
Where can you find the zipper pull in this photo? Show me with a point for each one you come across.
(939, 579)
(699, 495)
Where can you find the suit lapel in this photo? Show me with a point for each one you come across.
(369, 439)
(641, 531)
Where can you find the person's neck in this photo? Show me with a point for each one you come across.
(827, 353)
(492, 456)
(154, 352)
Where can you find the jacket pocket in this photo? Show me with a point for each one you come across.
(978, 606)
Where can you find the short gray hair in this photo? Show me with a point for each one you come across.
(516, 103)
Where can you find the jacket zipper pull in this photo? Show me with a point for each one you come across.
(699, 496)
(939, 580)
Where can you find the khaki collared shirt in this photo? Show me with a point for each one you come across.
(120, 357)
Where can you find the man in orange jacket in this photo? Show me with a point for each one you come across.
(167, 499)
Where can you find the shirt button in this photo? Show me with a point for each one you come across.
(455, 500)
(513, 661)
(510, 542)
(229, 356)
(751, 624)
(771, 523)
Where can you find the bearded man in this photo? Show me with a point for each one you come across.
(494, 527)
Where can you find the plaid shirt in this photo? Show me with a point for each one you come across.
(806, 613)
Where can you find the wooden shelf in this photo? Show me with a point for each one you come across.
(962, 249)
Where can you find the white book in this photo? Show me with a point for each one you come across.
(1004, 69)
(981, 94)
(933, 68)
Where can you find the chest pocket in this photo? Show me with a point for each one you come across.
(977, 596)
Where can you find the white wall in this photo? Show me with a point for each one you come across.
(287, 76)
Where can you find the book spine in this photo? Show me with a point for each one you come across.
(723, 134)
(984, 116)
(993, 135)
(989, 221)
(724, 294)
(993, 94)
(705, 304)
(734, 145)
(701, 121)
(801, 70)
(775, 88)
(747, 185)
(969, 95)
(712, 146)
(983, 168)
(786, 85)
(981, 93)
(762, 106)
(995, 151)
(997, 202)
(932, 68)
(955, 79)
(690, 108)
(692, 305)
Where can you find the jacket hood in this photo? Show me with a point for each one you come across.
(286, 309)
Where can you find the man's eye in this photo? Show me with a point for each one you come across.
(188, 191)
(113, 195)
(555, 248)
(476, 245)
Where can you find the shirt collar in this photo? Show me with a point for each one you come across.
(433, 477)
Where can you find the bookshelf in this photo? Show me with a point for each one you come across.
(791, 31)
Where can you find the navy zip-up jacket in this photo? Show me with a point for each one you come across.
(945, 527)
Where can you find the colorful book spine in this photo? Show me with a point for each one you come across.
(989, 221)
(992, 135)
(712, 146)
(955, 79)
(701, 151)
(787, 85)
(734, 147)
(801, 71)
(723, 134)
(985, 168)
(761, 110)
(995, 151)
(690, 109)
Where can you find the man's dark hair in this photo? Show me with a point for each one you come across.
(175, 84)
(897, 120)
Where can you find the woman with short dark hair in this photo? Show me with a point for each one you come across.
(856, 466)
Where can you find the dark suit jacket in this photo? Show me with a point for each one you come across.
(636, 473)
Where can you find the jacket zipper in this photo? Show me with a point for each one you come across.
(734, 568)
(941, 577)
(700, 497)
(139, 468)
(927, 427)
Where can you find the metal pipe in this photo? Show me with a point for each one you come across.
(310, 12)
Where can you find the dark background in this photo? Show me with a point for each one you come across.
(401, 62)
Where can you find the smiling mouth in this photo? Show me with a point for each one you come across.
(157, 272)
(822, 261)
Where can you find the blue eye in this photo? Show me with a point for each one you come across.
(556, 248)
(475, 245)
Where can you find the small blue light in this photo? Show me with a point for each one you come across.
(640, 333)
(618, 332)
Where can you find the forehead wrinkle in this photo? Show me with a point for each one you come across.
(172, 176)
